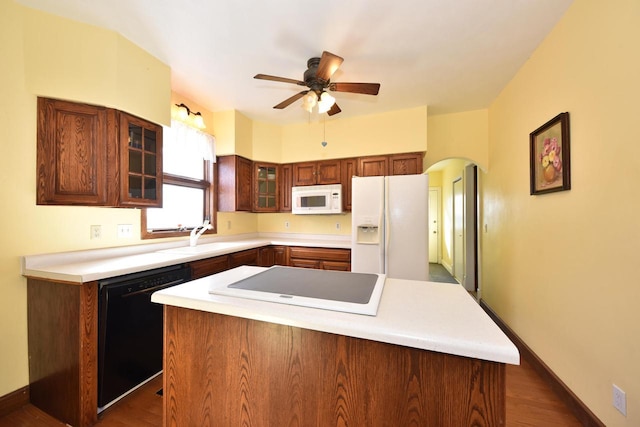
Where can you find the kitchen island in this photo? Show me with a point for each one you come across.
(430, 356)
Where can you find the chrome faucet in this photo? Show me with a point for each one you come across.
(195, 234)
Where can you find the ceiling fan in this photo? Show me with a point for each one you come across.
(317, 79)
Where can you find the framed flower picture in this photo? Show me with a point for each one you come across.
(549, 156)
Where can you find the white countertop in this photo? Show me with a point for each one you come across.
(439, 317)
(86, 266)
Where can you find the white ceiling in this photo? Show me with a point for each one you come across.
(452, 55)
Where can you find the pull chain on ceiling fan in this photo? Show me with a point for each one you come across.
(317, 78)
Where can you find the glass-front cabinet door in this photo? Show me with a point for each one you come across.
(141, 162)
(265, 187)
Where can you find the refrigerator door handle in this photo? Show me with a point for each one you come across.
(387, 228)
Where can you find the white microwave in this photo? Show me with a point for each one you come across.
(317, 199)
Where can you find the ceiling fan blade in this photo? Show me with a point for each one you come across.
(364, 88)
(278, 79)
(329, 63)
(291, 100)
(334, 110)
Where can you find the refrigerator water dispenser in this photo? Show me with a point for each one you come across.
(368, 235)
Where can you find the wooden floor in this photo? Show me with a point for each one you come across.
(530, 402)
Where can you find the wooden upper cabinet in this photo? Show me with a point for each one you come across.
(348, 169)
(235, 175)
(304, 173)
(86, 156)
(313, 173)
(286, 182)
(328, 172)
(373, 166)
(405, 164)
(71, 154)
(266, 187)
(141, 160)
(392, 164)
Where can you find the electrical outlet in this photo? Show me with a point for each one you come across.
(620, 400)
(96, 231)
(337, 226)
(286, 224)
(125, 230)
(228, 225)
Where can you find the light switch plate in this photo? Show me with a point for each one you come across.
(620, 400)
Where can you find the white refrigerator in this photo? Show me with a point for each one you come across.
(390, 227)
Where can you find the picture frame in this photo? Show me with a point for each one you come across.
(550, 169)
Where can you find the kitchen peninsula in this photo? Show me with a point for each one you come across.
(430, 356)
(63, 300)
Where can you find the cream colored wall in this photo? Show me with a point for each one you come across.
(224, 123)
(455, 140)
(69, 60)
(38, 58)
(267, 142)
(305, 224)
(458, 135)
(244, 136)
(560, 268)
(393, 132)
(237, 223)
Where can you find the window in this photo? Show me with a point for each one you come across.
(187, 191)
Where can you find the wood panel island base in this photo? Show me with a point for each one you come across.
(430, 357)
(222, 370)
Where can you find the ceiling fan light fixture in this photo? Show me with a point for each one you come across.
(325, 103)
(309, 101)
(317, 78)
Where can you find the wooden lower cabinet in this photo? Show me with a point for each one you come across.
(227, 371)
(248, 257)
(209, 266)
(272, 255)
(63, 349)
(266, 256)
(280, 255)
(320, 258)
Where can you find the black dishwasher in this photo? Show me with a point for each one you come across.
(130, 330)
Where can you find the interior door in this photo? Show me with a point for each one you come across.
(434, 225)
(458, 230)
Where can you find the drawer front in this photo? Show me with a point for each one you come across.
(336, 266)
(209, 266)
(324, 254)
(248, 257)
(304, 263)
